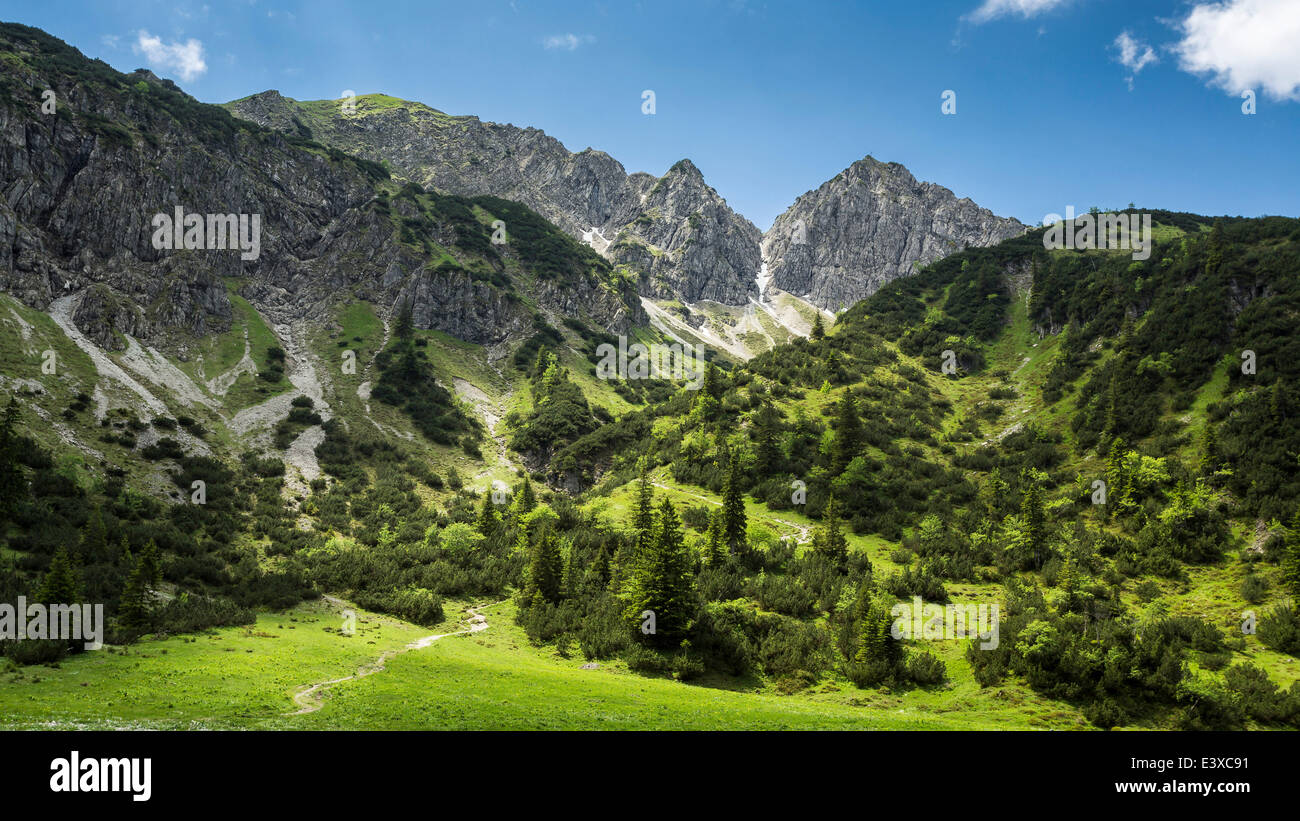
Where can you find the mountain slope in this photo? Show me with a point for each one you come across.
(674, 231)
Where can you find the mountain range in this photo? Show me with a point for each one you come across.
(392, 404)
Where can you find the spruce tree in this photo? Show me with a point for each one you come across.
(525, 501)
(94, 538)
(817, 331)
(768, 458)
(631, 553)
(62, 581)
(643, 511)
(546, 568)
(489, 521)
(829, 540)
(1116, 475)
(1035, 520)
(715, 541)
(1209, 462)
(876, 642)
(663, 583)
(152, 564)
(404, 326)
(135, 610)
(734, 525)
(712, 381)
(848, 433)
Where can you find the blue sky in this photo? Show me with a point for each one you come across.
(1058, 102)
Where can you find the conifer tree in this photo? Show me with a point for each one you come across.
(94, 538)
(546, 568)
(1116, 475)
(62, 581)
(848, 433)
(876, 643)
(734, 524)
(829, 540)
(1209, 462)
(715, 541)
(768, 458)
(489, 521)
(1035, 519)
(135, 611)
(817, 331)
(404, 326)
(631, 553)
(663, 583)
(525, 501)
(712, 381)
(152, 564)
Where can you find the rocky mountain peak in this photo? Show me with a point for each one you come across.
(870, 224)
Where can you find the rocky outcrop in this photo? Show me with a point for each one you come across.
(871, 224)
(675, 232)
(80, 187)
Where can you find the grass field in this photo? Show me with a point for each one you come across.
(246, 677)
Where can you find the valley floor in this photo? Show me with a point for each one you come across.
(258, 677)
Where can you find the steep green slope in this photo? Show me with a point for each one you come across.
(991, 474)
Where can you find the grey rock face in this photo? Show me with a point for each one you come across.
(79, 189)
(871, 224)
(674, 231)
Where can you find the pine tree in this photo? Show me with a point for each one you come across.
(541, 363)
(643, 511)
(404, 326)
(525, 501)
(94, 538)
(489, 521)
(1209, 463)
(712, 381)
(631, 553)
(848, 433)
(135, 611)
(1035, 519)
(1116, 475)
(817, 331)
(546, 568)
(663, 584)
(152, 564)
(831, 367)
(62, 582)
(734, 525)
(829, 540)
(123, 559)
(715, 541)
(876, 642)
(768, 458)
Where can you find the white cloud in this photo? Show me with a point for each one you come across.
(1134, 54)
(567, 42)
(186, 59)
(1001, 8)
(1241, 44)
